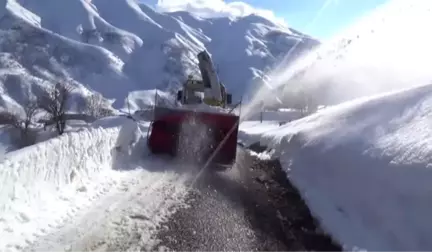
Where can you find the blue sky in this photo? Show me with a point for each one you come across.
(300, 13)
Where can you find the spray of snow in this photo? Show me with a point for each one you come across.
(194, 140)
(370, 57)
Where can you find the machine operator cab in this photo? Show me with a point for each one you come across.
(194, 92)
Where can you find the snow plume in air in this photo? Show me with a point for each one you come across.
(194, 140)
(370, 57)
(217, 8)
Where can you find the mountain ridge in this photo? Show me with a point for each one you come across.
(122, 46)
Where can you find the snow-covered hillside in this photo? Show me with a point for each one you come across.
(363, 167)
(115, 47)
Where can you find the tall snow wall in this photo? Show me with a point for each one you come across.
(30, 176)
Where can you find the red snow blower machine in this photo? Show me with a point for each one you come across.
(202, 128)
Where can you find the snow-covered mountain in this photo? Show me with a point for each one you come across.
(116, 47)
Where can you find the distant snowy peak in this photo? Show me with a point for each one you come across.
(217, 9)
(117, 47)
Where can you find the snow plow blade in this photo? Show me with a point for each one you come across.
(195, 135)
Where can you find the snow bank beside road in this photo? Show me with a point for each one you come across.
(287, 115)
(77, 192)
(364, 168)
(251, 131)
(32, 179)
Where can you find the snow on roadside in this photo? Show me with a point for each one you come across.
(282, 115)
(110, 122)
(363, 168)
(250, 131)
(124, 219)
(76, 191)
(5, 142)
(43, 180)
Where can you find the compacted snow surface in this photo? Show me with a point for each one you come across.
(364, 167)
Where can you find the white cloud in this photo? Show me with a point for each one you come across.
(217, 8)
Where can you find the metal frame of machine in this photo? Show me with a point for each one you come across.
(209, 111)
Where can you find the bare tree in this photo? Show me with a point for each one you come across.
(21, 122)
(30, 109)
(97, 106)
(10, 118)
(27, 135)
(54, 104)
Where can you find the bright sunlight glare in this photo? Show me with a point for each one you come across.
(388, 49)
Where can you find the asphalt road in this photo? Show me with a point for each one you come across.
(250, 207)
